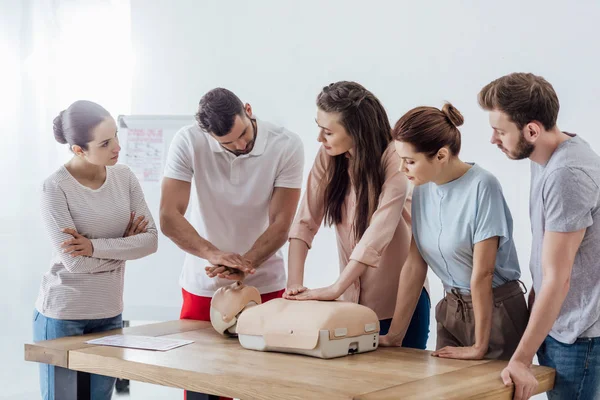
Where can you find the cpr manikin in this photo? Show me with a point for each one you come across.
(324, 329)
(227, 304)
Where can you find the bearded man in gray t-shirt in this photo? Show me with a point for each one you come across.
(564, 325)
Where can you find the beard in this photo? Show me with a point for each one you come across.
(522, 151)
(247, 150)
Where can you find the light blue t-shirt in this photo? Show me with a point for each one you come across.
(448, 219)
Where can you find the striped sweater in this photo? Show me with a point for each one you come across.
(92, 287)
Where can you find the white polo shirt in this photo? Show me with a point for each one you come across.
(231, 195)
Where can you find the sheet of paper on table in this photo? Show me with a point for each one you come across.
(140, 342)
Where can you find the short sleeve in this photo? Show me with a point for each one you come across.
(179, 164)
(569, 196)
(492, 217)
(292, 170)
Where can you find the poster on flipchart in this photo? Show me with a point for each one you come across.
(144, 153)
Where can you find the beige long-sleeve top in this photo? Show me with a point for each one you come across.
(384, 245)
(92, 287)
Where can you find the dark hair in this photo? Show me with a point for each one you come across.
(429, 129)
(365, 120)
(524, 97)
(75, 124)
(217, 111)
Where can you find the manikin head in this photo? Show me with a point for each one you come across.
(228, 303)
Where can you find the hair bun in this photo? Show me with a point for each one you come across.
(59, 134)
(453, 114)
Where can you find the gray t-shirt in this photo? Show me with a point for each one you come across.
(565, 197)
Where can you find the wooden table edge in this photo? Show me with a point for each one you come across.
(545, 376)
(56, 351)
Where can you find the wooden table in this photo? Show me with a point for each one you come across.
(220, 366)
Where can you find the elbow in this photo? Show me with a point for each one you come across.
(567, 284)
(482, 281)
(72, 264)
(282, 232)
(413, 271)
(154, 243)
(166, 225)
(559, 285)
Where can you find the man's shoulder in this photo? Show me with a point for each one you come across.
(575, 153)
(190, 132)
(192, 138)
(282, 135)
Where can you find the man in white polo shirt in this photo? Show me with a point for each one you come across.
(246, 176)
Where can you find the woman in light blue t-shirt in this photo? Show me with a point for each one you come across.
(462, 229)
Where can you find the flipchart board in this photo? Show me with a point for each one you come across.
(152, 291)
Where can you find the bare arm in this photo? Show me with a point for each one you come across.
(281, 213)
(307, 223)
(297, 253)
(412, 278)
(558, 256)
(484, 263)
(173, 205)
(349, 275)
(484, 260)
(378, 235)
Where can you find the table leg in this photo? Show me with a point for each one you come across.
(71, 385)
(122, 385)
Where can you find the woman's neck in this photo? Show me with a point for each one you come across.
(83, 170)
(454, 170)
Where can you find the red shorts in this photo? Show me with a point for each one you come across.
(198, 307)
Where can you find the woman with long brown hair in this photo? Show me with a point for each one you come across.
(355, 185)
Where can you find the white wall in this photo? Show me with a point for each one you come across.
(52, 53)
(277, 56)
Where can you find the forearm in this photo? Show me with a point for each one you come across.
(349, 275)
(89, 265)
(548, 303)
(127, 248)
(531, 299)
(410, 286)
(177, 228)
(267, 244)
(298, 250)
(483, 301)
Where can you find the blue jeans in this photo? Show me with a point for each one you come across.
(418, 330)
(577, 368)
(45, 328)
